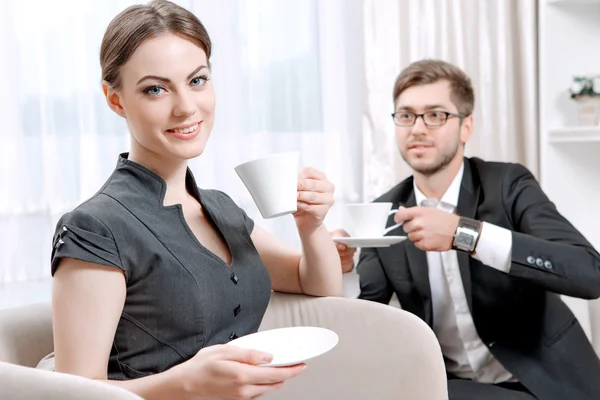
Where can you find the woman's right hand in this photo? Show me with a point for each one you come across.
(227, 372)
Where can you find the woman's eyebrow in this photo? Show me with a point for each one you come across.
(167, 80)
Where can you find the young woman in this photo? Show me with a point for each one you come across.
(152, 276)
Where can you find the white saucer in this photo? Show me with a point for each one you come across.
(290, 346)
(382, 241)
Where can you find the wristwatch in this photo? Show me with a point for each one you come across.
(467, 235)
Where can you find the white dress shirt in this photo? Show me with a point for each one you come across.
(466, 355)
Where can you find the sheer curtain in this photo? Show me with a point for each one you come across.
(285, 75)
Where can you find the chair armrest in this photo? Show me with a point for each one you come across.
(26, 334)
(25, 383)
(383, 352)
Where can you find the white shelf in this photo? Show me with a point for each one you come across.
(586, 134)
(575, 2)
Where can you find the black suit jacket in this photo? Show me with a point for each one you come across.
(519, 316)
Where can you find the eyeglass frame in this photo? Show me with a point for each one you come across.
(422, 115)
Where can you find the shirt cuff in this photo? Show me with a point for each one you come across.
(494, 248)
(351, 284)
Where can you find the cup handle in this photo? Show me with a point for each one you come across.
(391, 228)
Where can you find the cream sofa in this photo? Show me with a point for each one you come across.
(383, 353)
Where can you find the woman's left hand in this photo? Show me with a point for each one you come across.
(315, 198)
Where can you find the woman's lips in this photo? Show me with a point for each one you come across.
(185, 133)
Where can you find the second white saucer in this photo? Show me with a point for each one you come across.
(382, 241)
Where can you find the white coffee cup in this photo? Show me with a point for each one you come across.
(272, 182)
(368, 220)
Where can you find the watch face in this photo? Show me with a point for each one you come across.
(465, 239)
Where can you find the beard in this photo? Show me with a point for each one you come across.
(437, 165)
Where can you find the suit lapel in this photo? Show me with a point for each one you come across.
(468, 199)
(417, 262)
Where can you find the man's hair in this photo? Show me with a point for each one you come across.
(431, 71)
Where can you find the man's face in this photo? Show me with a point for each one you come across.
(429, 149)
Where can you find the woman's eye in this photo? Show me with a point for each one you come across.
(198, 81)
(154, 90)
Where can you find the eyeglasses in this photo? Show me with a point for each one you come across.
(430, 118)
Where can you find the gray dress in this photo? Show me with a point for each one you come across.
(181, 297)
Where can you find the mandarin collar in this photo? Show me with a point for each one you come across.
(150, 183)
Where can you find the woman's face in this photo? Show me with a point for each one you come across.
(167, 97)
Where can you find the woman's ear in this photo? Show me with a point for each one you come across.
(112, 99)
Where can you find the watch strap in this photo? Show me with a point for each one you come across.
(465, 222)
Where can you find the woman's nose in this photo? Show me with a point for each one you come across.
(184, 107)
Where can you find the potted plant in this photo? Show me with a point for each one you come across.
(586, 92)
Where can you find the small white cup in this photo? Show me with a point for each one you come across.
(272, 182)
(368, 219)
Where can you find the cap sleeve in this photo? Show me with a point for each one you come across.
(248, 222)
(81, 236)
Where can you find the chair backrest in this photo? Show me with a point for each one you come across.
(383, 352)
(26, 334)
(24, 383)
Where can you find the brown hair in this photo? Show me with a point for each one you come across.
(430, 71)
(128, 30)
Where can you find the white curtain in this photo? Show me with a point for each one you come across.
(286, 78)
(493, 41)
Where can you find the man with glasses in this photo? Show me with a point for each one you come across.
(487, 257)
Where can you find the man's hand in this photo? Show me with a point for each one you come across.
(346, 253)
(430, 229)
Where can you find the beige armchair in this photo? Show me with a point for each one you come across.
(383, 353)
(25, 383)
(25, 338)
(26, 334)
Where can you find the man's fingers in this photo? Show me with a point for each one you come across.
(347, 268)
(341, 247)
(409, 227)
(347, 260)
(403, 214)
(415, 236)
(346, 251)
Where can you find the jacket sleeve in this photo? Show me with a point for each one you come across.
(546, 248)
(374, 283)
